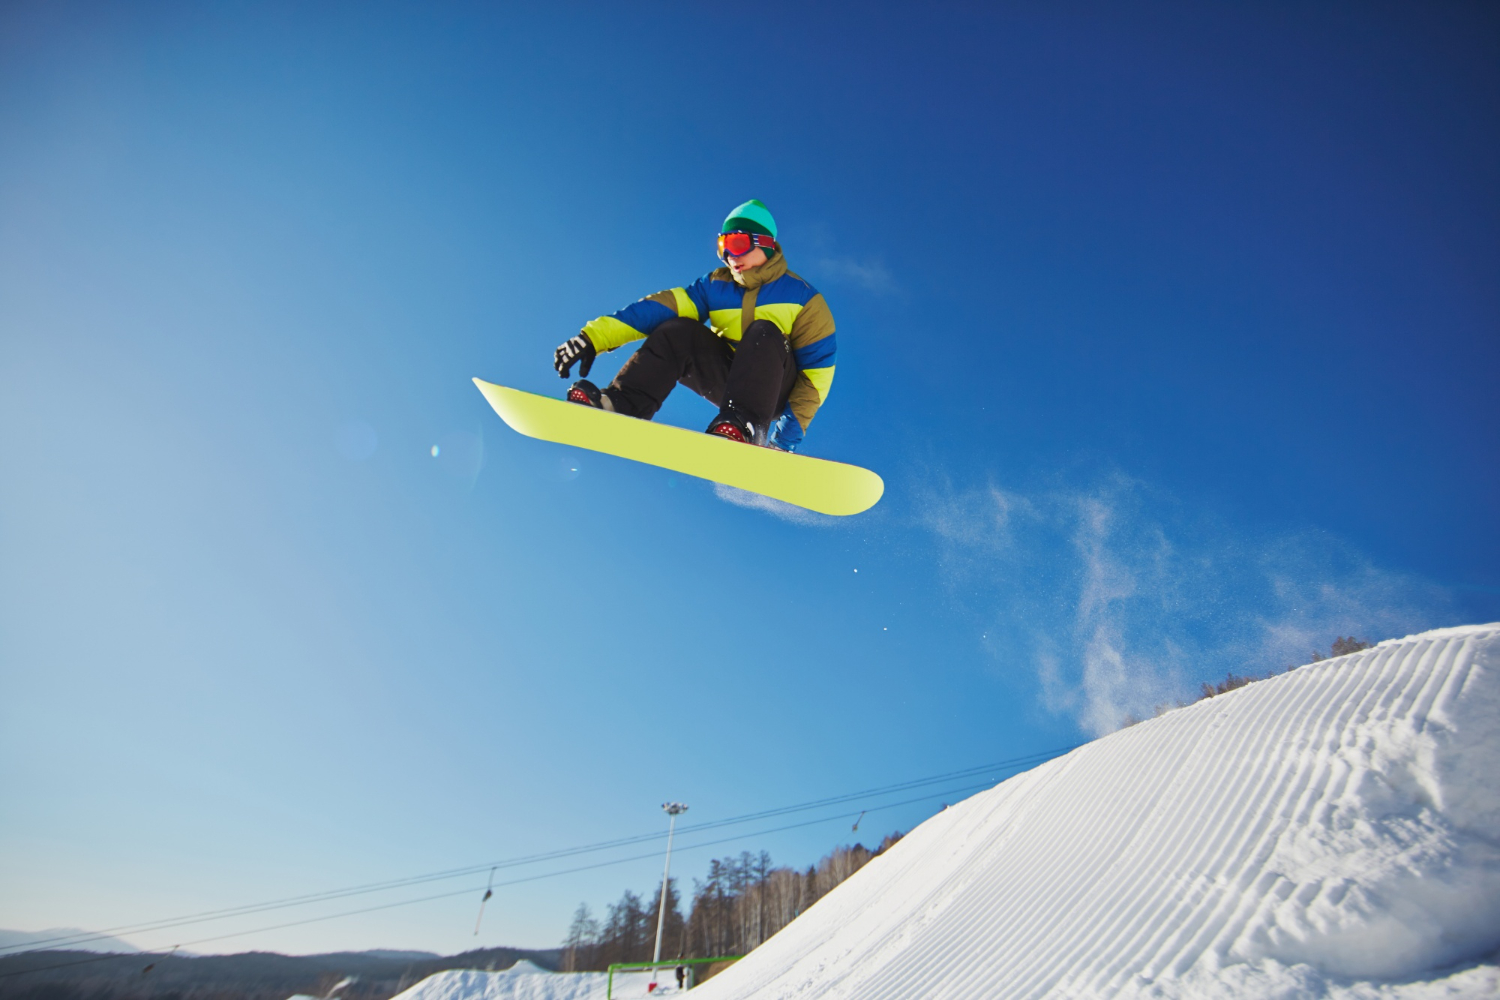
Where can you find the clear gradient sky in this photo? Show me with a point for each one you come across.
(1174, 330)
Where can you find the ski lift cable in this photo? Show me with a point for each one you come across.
(165, 924)
(325, 896)
(464, 892)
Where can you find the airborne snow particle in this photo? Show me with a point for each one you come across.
(436, 451)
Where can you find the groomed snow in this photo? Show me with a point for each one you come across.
(1332, 832)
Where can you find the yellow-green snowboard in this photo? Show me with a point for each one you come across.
(823, 486)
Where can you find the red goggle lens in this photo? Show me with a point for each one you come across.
(739, 244)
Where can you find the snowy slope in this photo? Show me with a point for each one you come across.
(1334, 831)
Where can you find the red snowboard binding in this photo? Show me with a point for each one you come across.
(587, 393)
(732, 424)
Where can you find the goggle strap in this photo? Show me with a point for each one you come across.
(756, 240)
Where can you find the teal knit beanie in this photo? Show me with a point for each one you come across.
(752, 217)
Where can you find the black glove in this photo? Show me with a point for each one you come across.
(578, 349)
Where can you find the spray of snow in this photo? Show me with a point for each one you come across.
(776, 508)
(872, 276)
(1114, 595)
(1325, 833)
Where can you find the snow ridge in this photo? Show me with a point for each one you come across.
(1330, 832)
(522, 981)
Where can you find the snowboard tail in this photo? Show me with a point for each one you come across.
(814, 483)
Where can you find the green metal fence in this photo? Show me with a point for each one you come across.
(670, 967)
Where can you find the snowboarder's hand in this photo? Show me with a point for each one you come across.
(579, 349)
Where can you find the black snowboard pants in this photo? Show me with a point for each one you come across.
(756, 378)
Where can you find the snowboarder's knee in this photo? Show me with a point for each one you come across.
(679, 330)
(764, 332)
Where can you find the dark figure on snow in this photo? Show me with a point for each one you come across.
(751, 337)
(681, 975)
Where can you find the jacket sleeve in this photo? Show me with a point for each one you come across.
(813, 350)
(639, 318)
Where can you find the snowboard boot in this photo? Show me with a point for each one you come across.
(734, 424)
(587, 393)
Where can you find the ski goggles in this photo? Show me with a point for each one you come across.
(739, 244)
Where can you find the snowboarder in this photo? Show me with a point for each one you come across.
(751, 337)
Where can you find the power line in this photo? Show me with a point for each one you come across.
(168, 923)
(49, 944)
(468, 891)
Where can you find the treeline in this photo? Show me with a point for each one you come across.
(741, 903)
(1342, 646)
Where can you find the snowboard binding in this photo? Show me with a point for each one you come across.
(732, 423)
(587, 393)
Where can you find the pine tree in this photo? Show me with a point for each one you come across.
(742, 903)
(582, 936)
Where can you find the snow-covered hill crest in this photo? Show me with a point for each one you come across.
(1329, 832)
(525, 981)
(522, 981)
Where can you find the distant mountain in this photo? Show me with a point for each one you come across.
(257, 975)
(65, 937)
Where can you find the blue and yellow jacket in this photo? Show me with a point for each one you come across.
(770, 292)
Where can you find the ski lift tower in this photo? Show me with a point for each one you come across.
(673, 810)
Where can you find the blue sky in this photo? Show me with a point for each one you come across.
(1172, 329)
